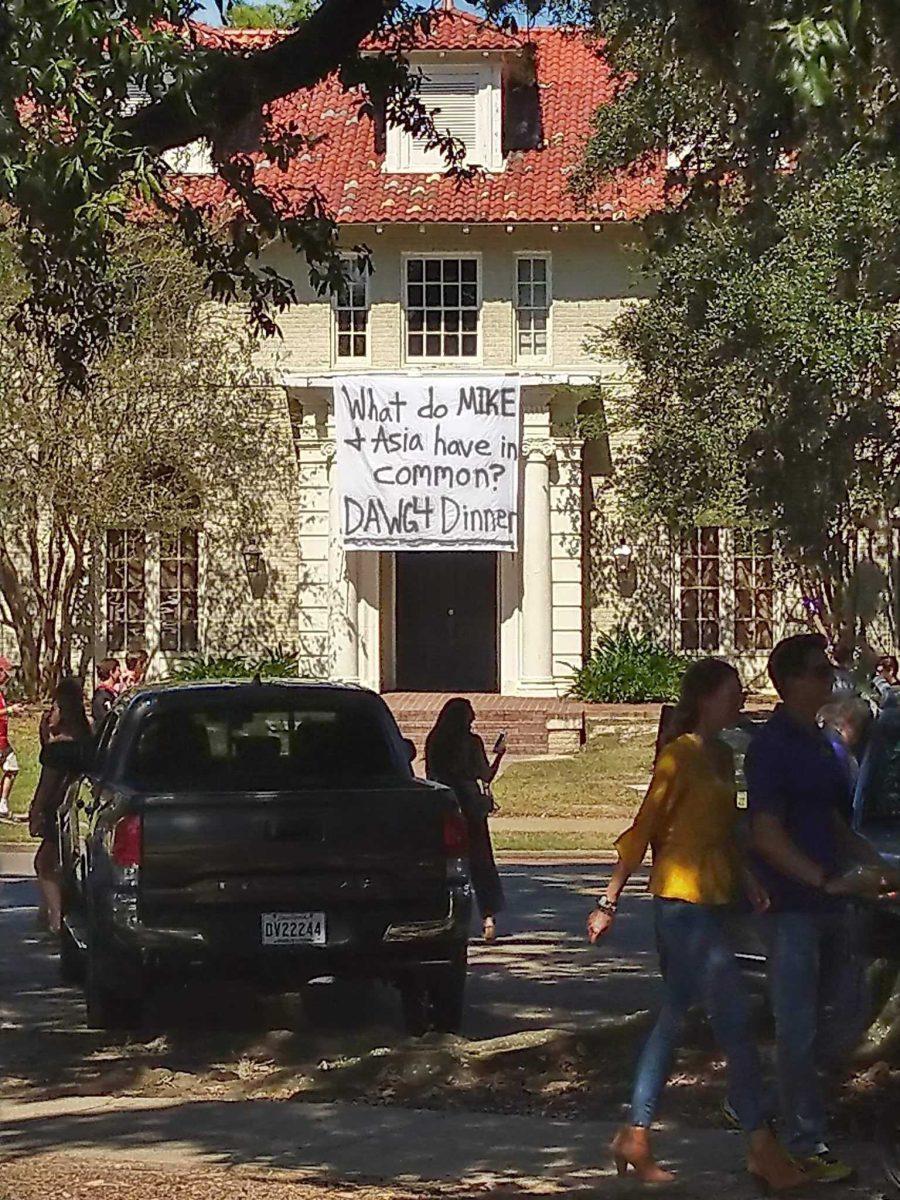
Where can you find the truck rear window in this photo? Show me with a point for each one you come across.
(227, 746)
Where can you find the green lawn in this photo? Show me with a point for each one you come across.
(23, 733)
(592, 785)
(599, 782)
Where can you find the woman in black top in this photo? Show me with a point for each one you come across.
(455, 756)
(66, 723)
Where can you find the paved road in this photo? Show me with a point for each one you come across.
(540, 973)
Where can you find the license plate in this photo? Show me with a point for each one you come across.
(293, 929)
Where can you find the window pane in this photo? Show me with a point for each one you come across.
(709, 540)
(709, 572)
(690, 635)
(415, 270)
(533, 306)
(710, 636)
(444, 305)
(709, 604)
(352, 313)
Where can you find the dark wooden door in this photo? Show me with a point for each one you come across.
(447, 621)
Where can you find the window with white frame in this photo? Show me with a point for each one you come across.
(134, 606)
(754, 589)
(126, 589)
(701, 586)
(442, 308)
(179, 562)
(464, 101)
(532, 306)
(352, 312)
(727, 590)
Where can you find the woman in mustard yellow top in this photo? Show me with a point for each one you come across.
(688, 819)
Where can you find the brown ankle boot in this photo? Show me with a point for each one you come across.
(771, 1164)
(631, 1148)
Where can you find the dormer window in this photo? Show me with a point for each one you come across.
(465, 102)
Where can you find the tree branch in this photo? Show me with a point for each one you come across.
(235, 87)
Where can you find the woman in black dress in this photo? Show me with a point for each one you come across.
(64, 724)
(455, 756)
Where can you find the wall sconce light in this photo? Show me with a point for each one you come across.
(255, 566)
(254, 563)
(623, 557)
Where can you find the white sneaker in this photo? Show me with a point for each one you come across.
(4, 810)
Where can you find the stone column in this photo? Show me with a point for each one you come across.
(537, 578)
(343, 590)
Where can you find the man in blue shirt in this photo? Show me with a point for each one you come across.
(797, 791)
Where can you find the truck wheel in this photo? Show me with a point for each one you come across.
(414, 998)
(108, 1008)
(71, 959)
(447, 993)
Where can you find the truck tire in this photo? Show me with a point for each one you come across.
(447, 995)
(414, 1000)
(433, 998)
(107, 1006)
(71, 958)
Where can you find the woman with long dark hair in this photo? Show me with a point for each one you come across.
(65, 723)
(689, 818)
(455, 756)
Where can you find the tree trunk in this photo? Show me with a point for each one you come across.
(40, 585)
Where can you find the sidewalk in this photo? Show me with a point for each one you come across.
(357, 1142)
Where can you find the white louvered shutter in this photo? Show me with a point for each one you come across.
(453, 101)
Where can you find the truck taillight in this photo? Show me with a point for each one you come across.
(456, 835)
(127, 842)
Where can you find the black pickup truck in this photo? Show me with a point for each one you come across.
(272, 832)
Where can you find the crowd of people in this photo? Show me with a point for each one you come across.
(797, 864)
(63, 725)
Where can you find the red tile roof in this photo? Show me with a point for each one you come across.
(344, 169)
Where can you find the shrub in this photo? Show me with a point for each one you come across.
(273, 664)
(625, 669)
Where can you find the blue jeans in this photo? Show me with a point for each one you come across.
(818, 990)
(698, 965)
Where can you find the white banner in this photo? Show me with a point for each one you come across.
(429, 463)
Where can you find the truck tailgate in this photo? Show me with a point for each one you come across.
(216, 862)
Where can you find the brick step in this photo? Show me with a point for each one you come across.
(532, 727)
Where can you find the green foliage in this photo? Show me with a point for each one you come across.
(625, 669)
(94, 96)
(258, 14)
(276, 663)
(769, 356)
(161, 435)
